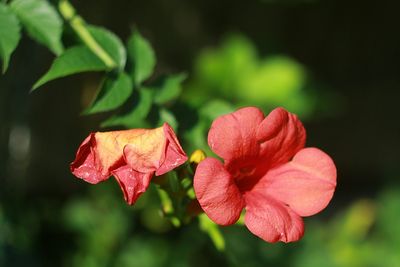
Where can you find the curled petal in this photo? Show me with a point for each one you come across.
(100, 153)
(132, 183)
(306, 183)
(173, 155)
(144, 153)
(233, 136)
(271, 220)
(132, 156)
(280, 135)
(217, 193)
(86, 165)
(155, 150)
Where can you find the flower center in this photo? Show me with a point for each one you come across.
(245, 177)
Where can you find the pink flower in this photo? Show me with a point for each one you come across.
(267, 171)
(132, 156)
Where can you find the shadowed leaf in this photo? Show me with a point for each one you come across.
(112, 94)
(41, 21)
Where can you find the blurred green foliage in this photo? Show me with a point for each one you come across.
(236, 72)
(106, 233)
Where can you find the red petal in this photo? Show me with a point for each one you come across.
(271, 220)
(233, 136)
(174, 155)
(132, 183)
(306, 183)
(217, 193)
(100, 153)
(281, 135)
(85, 165)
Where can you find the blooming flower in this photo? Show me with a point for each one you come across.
(266, 171)
(132, 156)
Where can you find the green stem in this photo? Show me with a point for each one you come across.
(168, 207)
(79, 26)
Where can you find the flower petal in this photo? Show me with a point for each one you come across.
(156, 150)
(280, 135)
(174, 155)
(85, 165)
(100, 153)
(217, 193)
(143, 154)
(271, 220)
(132, 183)
(233, 136)
(306, 183)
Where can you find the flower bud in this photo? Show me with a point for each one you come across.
(197, 156)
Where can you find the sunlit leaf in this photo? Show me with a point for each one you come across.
(142, 57)
(169, 88)
(167, 116)
(215, 108)
(209, 227)
(135, 117)
(9, 34)
(73, 60)
(41, 21)
(112, 94)
(110, 43)
(275, 81)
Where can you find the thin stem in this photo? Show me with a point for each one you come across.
(79, 26)
(168, 207)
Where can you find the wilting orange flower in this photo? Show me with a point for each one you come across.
(131, 156)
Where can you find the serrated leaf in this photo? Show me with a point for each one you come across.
(110, 43)
(142, 57)
(135, 117)
(169, 88)
(74, 60)
(9, 34)
(41, 21)
(112, 94)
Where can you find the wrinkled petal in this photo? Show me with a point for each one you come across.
(280, 135)
(144, 153)
(271, 220)
(306, 183)
(233, 136)
(217, 193)
(85, 165)
(100, 153)
(132, 183)
(132, 156)
(174, 155)
(155, 150)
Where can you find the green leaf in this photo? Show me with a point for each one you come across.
(112, 94)
(136, 116)
(169, 88)
(167, 116)
(74, 60)
(142, 57)
(41, 21)
(110, 43)
(215, 108)
(209, 227)
(9, 34)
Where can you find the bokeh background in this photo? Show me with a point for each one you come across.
(334, 63)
